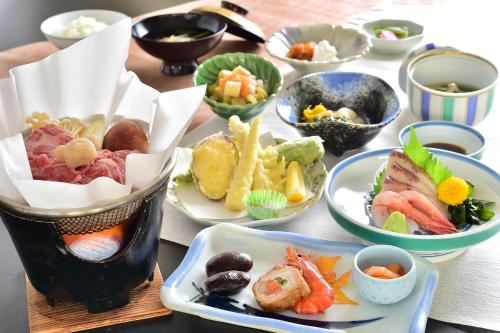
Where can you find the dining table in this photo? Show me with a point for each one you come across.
(270, 16)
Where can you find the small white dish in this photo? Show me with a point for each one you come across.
(49, 26)
(350, 44)
(415, 35)
(384, 291)
(181, 291)
(466, 137)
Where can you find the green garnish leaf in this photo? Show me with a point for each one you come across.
(183, 178)
(281, 280)
(379, 180)
(425, 160)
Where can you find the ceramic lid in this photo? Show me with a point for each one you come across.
(236, 24)
(427, 48)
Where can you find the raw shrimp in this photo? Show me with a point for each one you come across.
(420, 202)
(321, 296)
(416, 207)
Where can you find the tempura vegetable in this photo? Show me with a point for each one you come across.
(304, 150)
(240, 131)
(213, 165)
(295, 188)
(241, 183)
(269, 170)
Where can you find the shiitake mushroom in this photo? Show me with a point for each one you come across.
(227, 282)
(227, 261)
(126, 135)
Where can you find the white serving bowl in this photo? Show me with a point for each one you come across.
(50, 25)
(462, 68)
(350, 44)
(447, 132)
(350, 181)
(415, 35)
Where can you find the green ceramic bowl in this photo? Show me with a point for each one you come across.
(263, 69)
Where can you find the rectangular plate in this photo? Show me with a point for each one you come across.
(181, 291)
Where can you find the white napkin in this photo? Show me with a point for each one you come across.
(468, 292)
(83, 80)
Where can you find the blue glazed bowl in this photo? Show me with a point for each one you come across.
(369, 96)
(384, 291)
(460, 135)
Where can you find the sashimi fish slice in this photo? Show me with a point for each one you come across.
(390, 184)
(403, 161)
(400, 169)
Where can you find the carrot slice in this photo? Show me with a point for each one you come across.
(342, 280)
(341, 298)
(222, 83)
(326, 264)
(330, 277)
(272, 286)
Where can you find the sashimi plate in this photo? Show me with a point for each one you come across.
(349, 182)
(189, 201)
(182, 290)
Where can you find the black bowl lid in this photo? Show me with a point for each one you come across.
(236, 24)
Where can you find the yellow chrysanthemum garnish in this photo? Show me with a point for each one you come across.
(453, 191)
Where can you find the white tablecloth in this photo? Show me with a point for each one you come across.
(468, 292)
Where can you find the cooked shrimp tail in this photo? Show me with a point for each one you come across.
(321, 296)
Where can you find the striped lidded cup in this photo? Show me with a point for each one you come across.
(440, 68)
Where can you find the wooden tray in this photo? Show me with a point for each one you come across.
(68, 316)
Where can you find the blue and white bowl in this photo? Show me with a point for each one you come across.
(367, 95)
(384, 291)
(350, 181)
(463, 136)
(442, 67)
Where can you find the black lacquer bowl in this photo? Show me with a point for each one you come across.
(369, 96)
(179, 58)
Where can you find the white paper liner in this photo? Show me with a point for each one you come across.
(83, 80)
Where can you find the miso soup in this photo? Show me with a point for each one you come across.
(452, 87)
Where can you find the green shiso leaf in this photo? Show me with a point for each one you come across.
(379, 180)
(425, 160)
